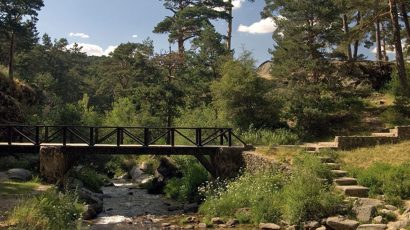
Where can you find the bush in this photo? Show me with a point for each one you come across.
(259, 193)
(270, 137)
(48, 211)
(305, 197)
(91, 179)
(392, 181)
(193, 176)
(270, 196)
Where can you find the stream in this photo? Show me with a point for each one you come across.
(128, 207)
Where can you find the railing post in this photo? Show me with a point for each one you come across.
(172, 136)
(96, 135)
(92, 142)
(45, 133)
(122, 136)
(64, 136)
(37, 135)
(118, 136)
(221, 141)
(230, 137)
(9, 134)
(146, 137)
(199, 137)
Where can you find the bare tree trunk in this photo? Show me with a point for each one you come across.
(11, 55)
(405, 18)
(229, 31)
(385, 57)
(398, 46)
(356, 43)
(181, 48)
(346, 30)
(378, 42)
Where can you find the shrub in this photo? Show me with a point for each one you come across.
(270, 137)
(271, 195)
(305, 197)
(392, 181)
(193, 176)
(91, 179)
(48, 211)
(260, 193)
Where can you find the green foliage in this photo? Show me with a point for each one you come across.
(270, 137)
(241, 96)
(271, 195)
(48, 211)
(193, 176)
(91, 179)
(314, 201)
(399, 113)
(122, 114)
(392, 181)
(260, 193)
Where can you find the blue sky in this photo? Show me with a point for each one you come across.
(102, 25)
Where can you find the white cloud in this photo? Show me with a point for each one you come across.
(79, 35)
(264, 26)
(94, 50)
(135, 36)
(236, 5)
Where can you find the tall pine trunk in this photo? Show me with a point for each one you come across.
(405, 18)
(181, 48)
(385, 57)
(356, 43)
(229, 30)
(346, 30)
(11, 55)
(378, 42)
(398, 46)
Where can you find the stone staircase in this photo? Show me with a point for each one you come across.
(345, 184)
(393, 136)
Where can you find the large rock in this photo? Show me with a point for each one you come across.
(19, 174)
(369, 201)
(135, 173)
(341, 223)
(372, 227)
(269, 226)
(365, 213)
(167, 168)
(95, 200)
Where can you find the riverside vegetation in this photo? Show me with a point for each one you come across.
(317, 84)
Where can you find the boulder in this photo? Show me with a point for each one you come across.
(378, 219)
(146, 167)
(135, 173)
(311, 225)
(398, 224)
(91, 211)
(269, 226)
(19, 174)
(372, 227)
(369, 201)
(167, 169)
(341, 223)
(365, 213)
(94, 200)
(390, 207)
(202, 225)
(217, 221)
(232, 222)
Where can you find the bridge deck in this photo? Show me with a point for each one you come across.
(5, 148)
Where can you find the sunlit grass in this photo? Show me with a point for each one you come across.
(282, 154)
(18, 188)
(390, 154)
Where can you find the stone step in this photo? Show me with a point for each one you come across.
(339, 173)
(327, 144)
(343, 181)
(384, 135)
(333, 166)
(321, 148)
(327, 160)
(354, 190)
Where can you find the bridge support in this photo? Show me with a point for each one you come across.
(54, 163)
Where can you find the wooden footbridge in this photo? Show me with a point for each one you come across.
(117, 140)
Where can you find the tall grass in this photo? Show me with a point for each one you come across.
(48, 211)
(273, 195)
(270, 137)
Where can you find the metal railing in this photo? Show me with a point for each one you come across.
(119, 136)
